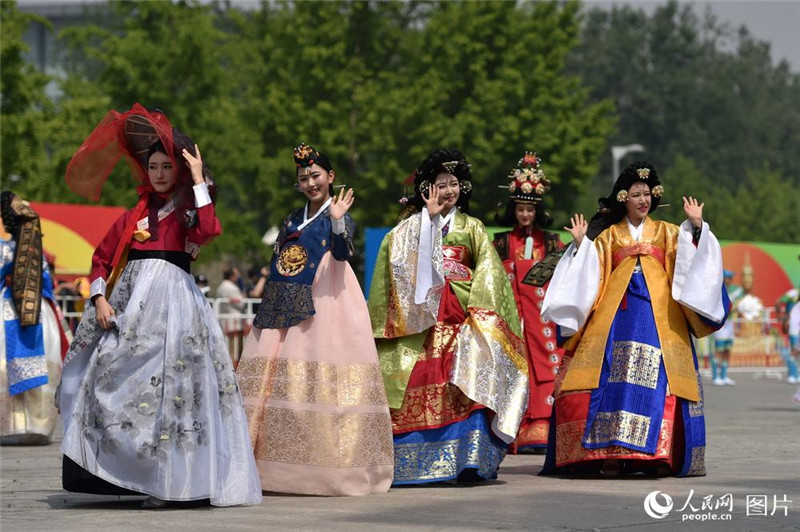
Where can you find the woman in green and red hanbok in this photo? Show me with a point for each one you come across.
(520, 248)
(448, 334)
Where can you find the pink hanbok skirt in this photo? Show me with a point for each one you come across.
(314, 396)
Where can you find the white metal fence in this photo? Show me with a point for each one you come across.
(758, 342)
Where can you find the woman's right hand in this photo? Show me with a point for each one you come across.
(104, 312)
(578, 229)
(432, 201)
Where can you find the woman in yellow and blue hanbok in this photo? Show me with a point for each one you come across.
(629, 396)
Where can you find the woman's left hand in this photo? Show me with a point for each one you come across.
(195, 164)
(693, 210)
(341, 204)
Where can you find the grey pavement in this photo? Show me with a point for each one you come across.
(753, 454)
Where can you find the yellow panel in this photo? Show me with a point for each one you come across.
(73, 252)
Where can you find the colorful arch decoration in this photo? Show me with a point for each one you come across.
(70, 233)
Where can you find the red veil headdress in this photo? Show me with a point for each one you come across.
(128, 134)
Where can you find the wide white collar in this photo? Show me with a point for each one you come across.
(636, 232)
(306, 219)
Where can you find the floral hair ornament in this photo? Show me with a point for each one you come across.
(622, 196)
(425, 187)
(657, 191)
(465, 185)
(304, 155)
(643, 173)
(528, 182)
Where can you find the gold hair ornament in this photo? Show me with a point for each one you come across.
(450, 166)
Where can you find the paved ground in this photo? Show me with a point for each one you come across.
(753, 450)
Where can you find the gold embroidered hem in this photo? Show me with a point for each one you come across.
(569, 449)
(533, 432)
(320, 438)
(432, 405)
(311, 382)
(445, 459)
(626, 427)
(698, 462)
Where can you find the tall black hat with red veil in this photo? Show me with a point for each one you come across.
(129, 134)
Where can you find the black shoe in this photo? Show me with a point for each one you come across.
(154, 503)
(470, 476)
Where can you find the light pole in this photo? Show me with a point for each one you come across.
(618, 152)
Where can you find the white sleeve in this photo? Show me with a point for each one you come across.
(573, 288)
(427, 274)
(338, 226)
(98, 287)
(697, 282)
(202, 197)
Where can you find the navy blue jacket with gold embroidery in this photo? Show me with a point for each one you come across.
(287, 294)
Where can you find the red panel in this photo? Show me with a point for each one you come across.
(770, 282)
(89, 221)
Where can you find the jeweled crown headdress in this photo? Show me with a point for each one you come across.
(528, 182)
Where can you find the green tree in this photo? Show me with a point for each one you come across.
(378, 85)
(170, 56)
(24, 108)
(699, 95)
(500, 72)
(764, 208)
